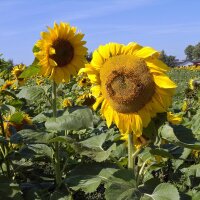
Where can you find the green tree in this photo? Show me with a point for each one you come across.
(189, 52)
(168, 60)
(196, 52)
(5, 67)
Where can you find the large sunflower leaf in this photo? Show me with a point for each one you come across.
(88, 177)
(29, 136)
(32, 93)
(163, 191)
(122, 186)
(196, 124)
(93, 148)
(79, 119)
(179, 135)
(36, 151)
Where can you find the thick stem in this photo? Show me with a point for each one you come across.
(130, 151)
(56, 154)
(54, 99)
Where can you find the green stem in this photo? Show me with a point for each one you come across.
(130, 151)
(56, 154)
(54, 100)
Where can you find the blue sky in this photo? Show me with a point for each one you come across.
(163, 24)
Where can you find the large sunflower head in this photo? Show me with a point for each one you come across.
(61, 52)
(130, 84)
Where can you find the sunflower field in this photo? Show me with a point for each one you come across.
(119, 125)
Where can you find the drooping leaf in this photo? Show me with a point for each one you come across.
(179, 135)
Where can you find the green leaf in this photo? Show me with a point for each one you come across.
(122, 186)
(164, 191)
(92, 148)
(35, 49)
(196, 124)
(17, 117)
(193, 170)
(3, 140)
(179, 135)
(29, 136)
(161, 152)
(30, 71)
(77, 120)
(36, 151)
(58, 195)
(88, 177)
(9, 189)
(1, 81)
(32, 93)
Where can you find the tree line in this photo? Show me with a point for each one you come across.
(192, 52)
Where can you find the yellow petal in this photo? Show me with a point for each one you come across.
(97, 102)
(52, 62)
(156, 64)
(108, 114)
(163, 81)
(137, 125)
(97, 60)
(146, 52)
(132, 48)
(96, 90)
(144, 114)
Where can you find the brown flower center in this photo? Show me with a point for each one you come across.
(64, 52)
(127, 83)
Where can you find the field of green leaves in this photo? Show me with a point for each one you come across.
(91, 161)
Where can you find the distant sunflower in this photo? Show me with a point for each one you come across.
(194, 84)
(174, 118)
(66, 103)
(17, 70)
(61, 52)
(85, 99)
(8, 125)
(8, 85)
(130, 84)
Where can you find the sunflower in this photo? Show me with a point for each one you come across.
(85, 99)
(184, 106)
(8, 125)
(66, 103)
(61, 52)
(174, 118)
(194, 84)
(130, 84)
(17, 70)
(8, 85)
